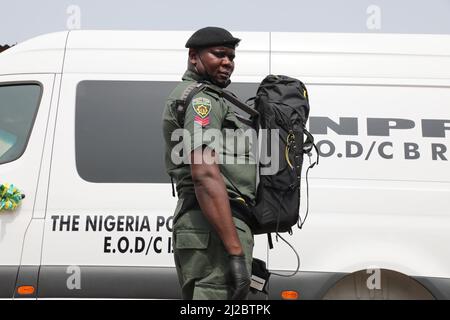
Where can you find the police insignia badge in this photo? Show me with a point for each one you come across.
(202, 107)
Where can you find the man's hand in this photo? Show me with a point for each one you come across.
(239, 277)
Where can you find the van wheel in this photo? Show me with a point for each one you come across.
(377, 284)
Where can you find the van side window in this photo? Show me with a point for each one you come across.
(18, 108)
(118, 130)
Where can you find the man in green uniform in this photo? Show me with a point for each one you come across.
(213, 243)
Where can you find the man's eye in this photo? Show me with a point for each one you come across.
(219, 54)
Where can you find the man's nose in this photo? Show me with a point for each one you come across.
(227, 61)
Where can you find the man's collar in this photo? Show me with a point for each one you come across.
(193, 76)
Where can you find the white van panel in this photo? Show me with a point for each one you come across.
(341, 242)
(361, 43)
(153, 53)
(24, 173)
(392, 137)
(40, 206)
(380, 195)
(43, 54)
(360, 56)
(32, 244)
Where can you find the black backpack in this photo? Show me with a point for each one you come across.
(281, 103)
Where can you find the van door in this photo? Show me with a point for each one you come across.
(24, 109)
(109, 214)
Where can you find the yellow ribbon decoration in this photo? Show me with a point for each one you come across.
(10, 197)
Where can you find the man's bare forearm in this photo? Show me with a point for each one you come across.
(213, 199)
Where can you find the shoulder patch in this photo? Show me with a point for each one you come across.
(202, 106)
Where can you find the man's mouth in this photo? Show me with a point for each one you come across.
(224, 74)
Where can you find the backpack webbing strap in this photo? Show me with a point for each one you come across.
(269, 240)
(254, 115)
(309, 144)
(180, 109)
(238, 103)
(185, 99)
(245, 120)
(196, 87)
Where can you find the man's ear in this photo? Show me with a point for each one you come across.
(193, 56)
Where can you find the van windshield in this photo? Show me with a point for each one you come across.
(18, 107)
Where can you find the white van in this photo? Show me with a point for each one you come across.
(80, 136)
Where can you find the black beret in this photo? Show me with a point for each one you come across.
(211, 37)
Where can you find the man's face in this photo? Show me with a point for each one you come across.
(217, 62)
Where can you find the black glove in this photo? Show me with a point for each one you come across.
(240, 279)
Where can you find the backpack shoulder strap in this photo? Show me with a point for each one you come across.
(196, 87)
(185, 99)
(254, 115)
(238, 103)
